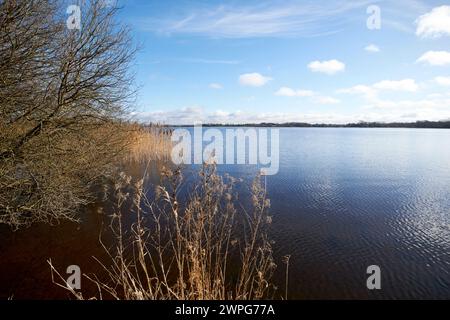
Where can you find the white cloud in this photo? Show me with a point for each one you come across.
(435, 23)
(413, 105)
(372, 48)
(216, 86)
(443, 81)
(366, 91)
(370, 92)
(318, 99)
(409, 85)
(438, 95)
(435, 58)
(329, 67)
(326, 100)
(187, 115)
(288, 92)
(253, 79)
(384, 111)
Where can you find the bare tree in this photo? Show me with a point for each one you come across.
(63, 94)
(26, 30)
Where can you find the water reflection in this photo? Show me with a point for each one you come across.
(343, 199)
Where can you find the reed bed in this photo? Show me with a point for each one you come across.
(150, 142)
(207, 248)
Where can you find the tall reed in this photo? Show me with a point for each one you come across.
(203, 248)
(150, 142)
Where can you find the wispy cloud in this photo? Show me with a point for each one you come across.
(400, 15)
(289, 92)
(275, 19)
(208, 61)
(215, 86)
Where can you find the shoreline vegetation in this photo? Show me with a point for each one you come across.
(205, 248)
(64, 135)
(64, 95)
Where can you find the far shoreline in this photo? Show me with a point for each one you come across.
(373, 125)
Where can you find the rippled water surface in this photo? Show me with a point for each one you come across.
(343, 199)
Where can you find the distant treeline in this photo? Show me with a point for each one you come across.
(418, 124)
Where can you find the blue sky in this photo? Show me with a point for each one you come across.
(277, 61)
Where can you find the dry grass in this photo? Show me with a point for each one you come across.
(55, 175)
(146, 143)
(205, 249)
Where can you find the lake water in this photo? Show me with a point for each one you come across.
(343, 199)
